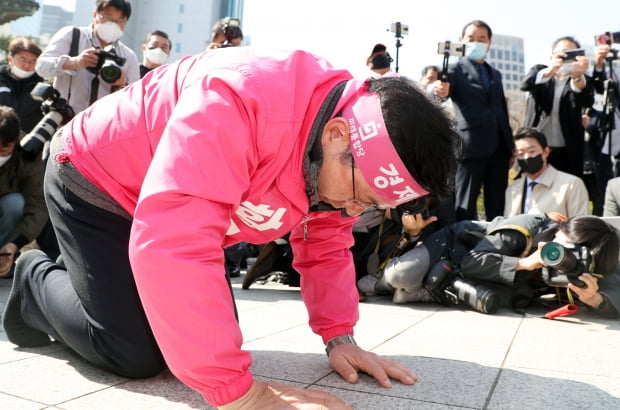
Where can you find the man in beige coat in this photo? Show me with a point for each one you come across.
(612, 198)
(542, 188)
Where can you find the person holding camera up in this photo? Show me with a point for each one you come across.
(559, 92)
(88, 63)
(226, 32)
(22, 207)
(481, 115)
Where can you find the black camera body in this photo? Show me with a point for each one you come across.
(57, 112)
(564, 264)
(450, 288)
(231, 30)
(109, 64)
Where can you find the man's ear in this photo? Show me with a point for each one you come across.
(336, 131)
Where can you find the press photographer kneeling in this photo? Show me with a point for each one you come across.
(503, 256)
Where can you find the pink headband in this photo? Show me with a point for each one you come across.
(373, 151)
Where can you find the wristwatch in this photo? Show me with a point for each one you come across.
(338, 340)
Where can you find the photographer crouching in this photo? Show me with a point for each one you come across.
(22, 207)
(88, 63)
(487, 265)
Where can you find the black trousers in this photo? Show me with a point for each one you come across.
(474, 174)
(91, 303)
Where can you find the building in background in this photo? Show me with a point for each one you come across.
(507, 55)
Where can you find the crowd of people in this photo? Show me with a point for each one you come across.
(151, 192)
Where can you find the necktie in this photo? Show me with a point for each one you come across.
(484, 75)
(528, 199)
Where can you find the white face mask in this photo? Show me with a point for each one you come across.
(19, 73)
(109, 32)
(156, 55)
(4, 160)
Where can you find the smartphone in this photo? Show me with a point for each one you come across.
(571, 55)
(451, 48)
(399, 28)
(607, 38)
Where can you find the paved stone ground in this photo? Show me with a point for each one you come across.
(465, 360)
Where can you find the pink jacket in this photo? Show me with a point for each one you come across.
(205, 153)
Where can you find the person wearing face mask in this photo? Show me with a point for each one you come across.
(73, 71)
(481, 116)
(558, 94)
(18, 78)
(155, 51)
(542, 188)
(22, 207)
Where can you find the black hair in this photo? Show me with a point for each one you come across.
(122, 5)
(477, 23)
(156, 33)
(9, 125)
(220, 26)
(596, 234)
(565, 38)
(528, 132)
(428, 68)
(19, 44)
(421, 133)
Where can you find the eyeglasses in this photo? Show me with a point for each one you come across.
(415, 206)
(355, 201)
(105, 19)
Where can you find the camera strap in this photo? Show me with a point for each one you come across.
(73, 51)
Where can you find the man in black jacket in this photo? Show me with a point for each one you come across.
(481, 116)
(18, 78)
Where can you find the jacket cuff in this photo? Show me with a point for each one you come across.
(336, 331)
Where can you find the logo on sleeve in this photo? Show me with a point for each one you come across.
(258, 217)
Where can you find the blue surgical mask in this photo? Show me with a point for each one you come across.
(476, 51)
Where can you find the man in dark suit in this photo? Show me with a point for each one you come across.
(481, 117)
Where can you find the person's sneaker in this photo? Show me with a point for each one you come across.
(405, 296)
(17, 331)
(366, 285)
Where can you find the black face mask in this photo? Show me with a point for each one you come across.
(531, 165)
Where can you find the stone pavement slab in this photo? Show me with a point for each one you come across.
(464, 360)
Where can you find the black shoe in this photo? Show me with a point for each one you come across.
(263, 265)
(17, 331)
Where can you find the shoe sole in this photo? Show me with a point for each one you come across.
(263, 265)
(17, 331)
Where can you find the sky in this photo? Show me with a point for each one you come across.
(345, 31)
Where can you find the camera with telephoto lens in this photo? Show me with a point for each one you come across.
(109, 64)
(57, 112)
(451, 288)
(231, 30)
(564, 263)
